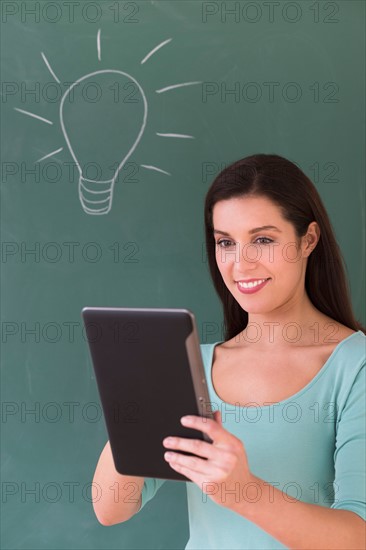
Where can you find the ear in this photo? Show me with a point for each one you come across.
(311, 239)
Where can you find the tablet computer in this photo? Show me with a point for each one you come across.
(149, 372)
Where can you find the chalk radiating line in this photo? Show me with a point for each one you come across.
(98, 43)
(33, 115)
(175, 135)
(150, 167)
(49, 67)
(176, 86)
(155, 50)
(50, 154)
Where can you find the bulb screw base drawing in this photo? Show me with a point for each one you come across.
(96, 196)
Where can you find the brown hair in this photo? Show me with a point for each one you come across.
(281, 181)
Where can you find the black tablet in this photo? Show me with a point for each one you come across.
(149, 372)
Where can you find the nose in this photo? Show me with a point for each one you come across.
(244, 257)
(247, 261)
(249, 255)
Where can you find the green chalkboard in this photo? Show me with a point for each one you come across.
(116, 116)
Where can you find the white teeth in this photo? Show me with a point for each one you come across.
(251, 284)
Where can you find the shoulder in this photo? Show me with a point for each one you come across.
(354, 344)
(341, 332)
(349, 366)
(207, 351)
(329, 330)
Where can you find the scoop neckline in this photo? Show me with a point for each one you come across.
(295, 395)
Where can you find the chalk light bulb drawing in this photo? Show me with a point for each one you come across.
(102, 133)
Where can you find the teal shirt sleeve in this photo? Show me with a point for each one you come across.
(149, 489)
(350, 452)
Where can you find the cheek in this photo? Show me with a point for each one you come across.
(287, 274)
(290, 255)
(224, 262)
(221, 267)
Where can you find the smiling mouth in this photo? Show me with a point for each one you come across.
(251, 283)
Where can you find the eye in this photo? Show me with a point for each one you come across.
(264, 238)
(220, 243)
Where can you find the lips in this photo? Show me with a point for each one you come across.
(254, 285)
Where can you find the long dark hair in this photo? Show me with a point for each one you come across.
(281, 181)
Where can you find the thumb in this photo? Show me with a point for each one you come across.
(217, 416)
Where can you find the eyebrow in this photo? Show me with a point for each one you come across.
(251, 231)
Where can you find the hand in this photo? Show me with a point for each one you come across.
(226, 468)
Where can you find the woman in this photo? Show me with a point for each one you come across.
(286, 468)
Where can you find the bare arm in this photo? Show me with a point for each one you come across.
(301, 525)
(116, 497)
(308, 526)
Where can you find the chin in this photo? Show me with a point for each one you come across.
(255, 307)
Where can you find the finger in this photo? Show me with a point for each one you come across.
(192, 462)
(209, 426)
(196, 469)
(184, 470)
(194, 446)
(192, 465)
(217, 415)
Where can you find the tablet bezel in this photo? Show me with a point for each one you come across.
(159, 468)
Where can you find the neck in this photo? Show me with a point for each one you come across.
(296, 323)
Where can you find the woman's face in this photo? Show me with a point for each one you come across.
(246, 253)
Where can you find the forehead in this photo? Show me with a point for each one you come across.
(244, 213)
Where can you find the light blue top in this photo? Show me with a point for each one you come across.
(311, 446)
